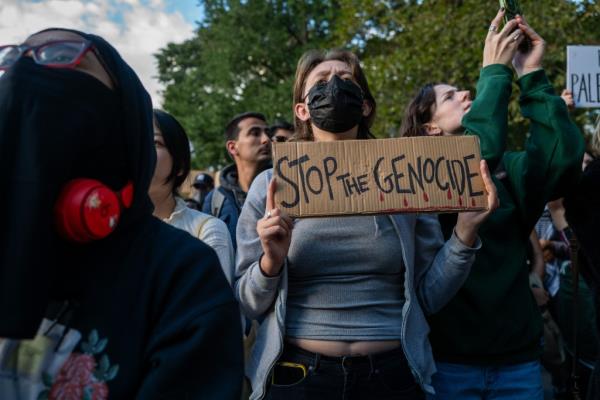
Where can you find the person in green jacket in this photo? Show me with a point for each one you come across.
(487, 339)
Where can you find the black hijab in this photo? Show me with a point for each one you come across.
(57, 125)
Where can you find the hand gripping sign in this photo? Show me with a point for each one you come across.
(421, 174)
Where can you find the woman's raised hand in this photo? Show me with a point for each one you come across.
(275, 233)
(525, 63)
(567, 97)
(501, 46)
(468, 222)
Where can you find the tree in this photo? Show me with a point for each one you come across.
(242, 57)
(405, 44)
(244, 54)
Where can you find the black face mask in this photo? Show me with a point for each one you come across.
(68, 119)
(335, 106)
(55, 125)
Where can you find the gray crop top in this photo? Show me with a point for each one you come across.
(346, 279)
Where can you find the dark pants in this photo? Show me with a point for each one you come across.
(593, 389)
(375, 377)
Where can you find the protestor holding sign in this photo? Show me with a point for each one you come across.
(342, 301)
(493, 323)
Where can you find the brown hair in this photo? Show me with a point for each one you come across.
(232, 129)
(419, 111)
(306, 64)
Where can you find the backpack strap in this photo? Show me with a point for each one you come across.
(217, 201)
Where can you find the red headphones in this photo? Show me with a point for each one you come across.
(88, 210)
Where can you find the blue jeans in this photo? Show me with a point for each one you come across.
(472, 382)
(384, 376)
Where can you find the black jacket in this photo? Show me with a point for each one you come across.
(166, 311)
(154, 314)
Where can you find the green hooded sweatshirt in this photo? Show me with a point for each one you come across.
(493, 319)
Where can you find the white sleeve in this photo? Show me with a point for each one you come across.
(214, 233)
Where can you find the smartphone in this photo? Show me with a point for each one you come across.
(513, 8)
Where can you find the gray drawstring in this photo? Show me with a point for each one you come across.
(377, 230)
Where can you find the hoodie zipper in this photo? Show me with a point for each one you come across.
(403, 328)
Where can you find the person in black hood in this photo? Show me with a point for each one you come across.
(248, 143)
(143, 311)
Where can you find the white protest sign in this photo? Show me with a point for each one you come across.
(583, 75)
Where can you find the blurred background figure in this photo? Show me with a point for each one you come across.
(582, 210)
(281, 131)
(203, 184)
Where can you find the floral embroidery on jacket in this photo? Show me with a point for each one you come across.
(81, 377)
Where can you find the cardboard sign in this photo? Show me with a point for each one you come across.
(422, 174)
(583, 75)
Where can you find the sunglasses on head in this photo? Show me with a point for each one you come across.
(279, 139)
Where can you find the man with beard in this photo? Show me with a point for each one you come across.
(249, 145)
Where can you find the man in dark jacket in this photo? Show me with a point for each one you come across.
(249, 145)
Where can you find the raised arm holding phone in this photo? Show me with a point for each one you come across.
(492, 327)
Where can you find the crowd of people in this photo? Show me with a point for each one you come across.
(114, 286)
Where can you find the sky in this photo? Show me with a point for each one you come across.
(136, 28)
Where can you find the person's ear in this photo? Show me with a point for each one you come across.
(432, 129)
(231, 146)
(366, 108)
(301, 111)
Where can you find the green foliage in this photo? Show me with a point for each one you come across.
(244, 54)
(442, 41)
(242, 58)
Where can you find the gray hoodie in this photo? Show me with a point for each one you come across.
(434, 272)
